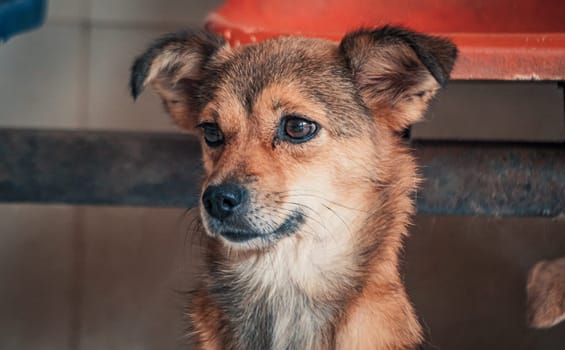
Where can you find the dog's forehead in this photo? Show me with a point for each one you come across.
(282, 58)
(308, 63)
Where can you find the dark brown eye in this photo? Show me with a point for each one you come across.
(297, 129)
(212, 134)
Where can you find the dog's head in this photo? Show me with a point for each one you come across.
(295, 132)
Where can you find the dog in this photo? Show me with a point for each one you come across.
(546, 294)
(308, 183)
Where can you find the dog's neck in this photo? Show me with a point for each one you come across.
(289, 297)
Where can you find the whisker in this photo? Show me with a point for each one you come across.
(311, 230)
(193, 229)
(348, 228)
(289, 212)
(315, 195)
(304, 206)
(340, 218)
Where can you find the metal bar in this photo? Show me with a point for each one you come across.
(112, 168)
(81, 167)
(491, 179)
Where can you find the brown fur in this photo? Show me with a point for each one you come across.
(546, 293)
(342, 199)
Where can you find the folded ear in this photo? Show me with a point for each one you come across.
(398, 71)
(173, 66)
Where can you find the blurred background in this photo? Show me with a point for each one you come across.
(112, 277)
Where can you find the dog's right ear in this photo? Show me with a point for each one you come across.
(172, 66)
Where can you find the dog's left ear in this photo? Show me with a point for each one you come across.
(397, 71)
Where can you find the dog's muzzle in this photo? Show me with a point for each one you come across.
(227, 206)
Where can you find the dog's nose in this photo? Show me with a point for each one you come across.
(221, 201)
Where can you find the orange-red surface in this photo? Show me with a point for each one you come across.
(498, 39)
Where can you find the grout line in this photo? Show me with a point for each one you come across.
(86, 9)
(83, 75)
(78, 245)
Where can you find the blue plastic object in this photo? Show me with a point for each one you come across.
(18, 16)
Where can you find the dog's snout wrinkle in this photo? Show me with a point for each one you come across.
(221, 201)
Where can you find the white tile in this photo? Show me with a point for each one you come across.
(41, 78)
(180, 12)
(67, 10)
(35, 276)
(110, 105)
(137, 261)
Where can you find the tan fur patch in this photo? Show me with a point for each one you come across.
(546, 293)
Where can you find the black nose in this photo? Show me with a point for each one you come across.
(221, 201)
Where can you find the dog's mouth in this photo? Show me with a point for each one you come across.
(289, 227)
(239, 237)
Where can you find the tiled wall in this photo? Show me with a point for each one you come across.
(36, 269)
(90, 278)
(73, 71)
(94, 278)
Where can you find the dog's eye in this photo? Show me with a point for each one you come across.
(297, 130)
(212, 134)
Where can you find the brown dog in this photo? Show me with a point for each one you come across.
(307, 193)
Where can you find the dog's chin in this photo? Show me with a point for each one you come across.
(251, 239)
